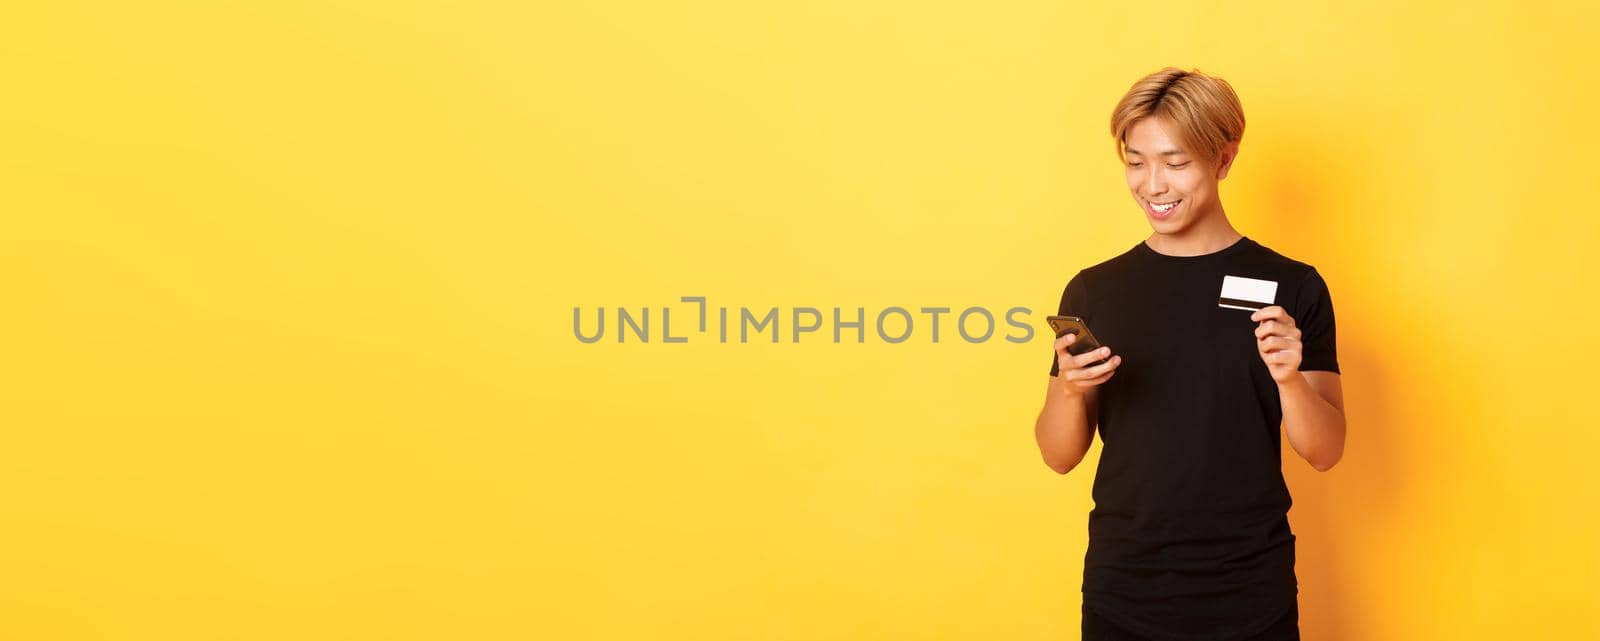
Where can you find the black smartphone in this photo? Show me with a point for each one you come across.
(1064, 325)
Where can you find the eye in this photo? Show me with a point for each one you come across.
(1135, 164)
(1178, 166)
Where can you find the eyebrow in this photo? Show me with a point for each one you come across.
(1169, 152)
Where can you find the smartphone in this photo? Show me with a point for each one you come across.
(1064, 325)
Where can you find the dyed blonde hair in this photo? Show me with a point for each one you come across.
(1203, 110)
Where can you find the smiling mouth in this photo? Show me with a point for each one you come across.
(1162, 209)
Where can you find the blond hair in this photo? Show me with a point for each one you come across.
(1203, 109)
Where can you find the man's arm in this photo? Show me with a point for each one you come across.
(1065, 427)
(1313, 416)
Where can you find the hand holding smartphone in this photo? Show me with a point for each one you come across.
(1064, 325)
(1082, 369)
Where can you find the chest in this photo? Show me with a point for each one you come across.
(1172, 325)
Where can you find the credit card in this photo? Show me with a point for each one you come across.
(1250, 294)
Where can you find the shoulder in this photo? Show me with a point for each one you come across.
(1303, 291)
(1290, 268)
(1089, 284)
(1107, 268)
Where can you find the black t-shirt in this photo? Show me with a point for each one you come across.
(1189, 537)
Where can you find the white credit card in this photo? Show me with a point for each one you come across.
(1250, 294)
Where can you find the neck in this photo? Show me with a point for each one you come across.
(1210, 234)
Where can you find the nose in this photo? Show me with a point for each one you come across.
(1154, 183)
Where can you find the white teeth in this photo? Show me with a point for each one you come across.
(1164, 208)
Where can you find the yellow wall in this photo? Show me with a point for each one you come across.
(288, 294)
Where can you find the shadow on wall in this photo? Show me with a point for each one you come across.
(1351, 506)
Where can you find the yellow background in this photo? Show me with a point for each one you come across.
(288, 295)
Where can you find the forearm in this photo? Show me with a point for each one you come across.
(1316, 428)
(1062, 429)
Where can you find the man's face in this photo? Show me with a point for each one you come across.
(1162, 173)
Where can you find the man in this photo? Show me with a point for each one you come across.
(1222, 339)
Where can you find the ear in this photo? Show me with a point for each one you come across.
(1225, 159)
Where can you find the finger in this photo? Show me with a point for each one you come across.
(1066, 339)
(1110, 364)
(1275, 343)
(1285, 358)
(1271, 328)
(1090, 356)
(1282, 357)
(1270, 311)
(1273, 312)
(1063, 341)
(1098, 379)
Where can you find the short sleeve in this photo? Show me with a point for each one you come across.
(1314, 318)
(1074, 302)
